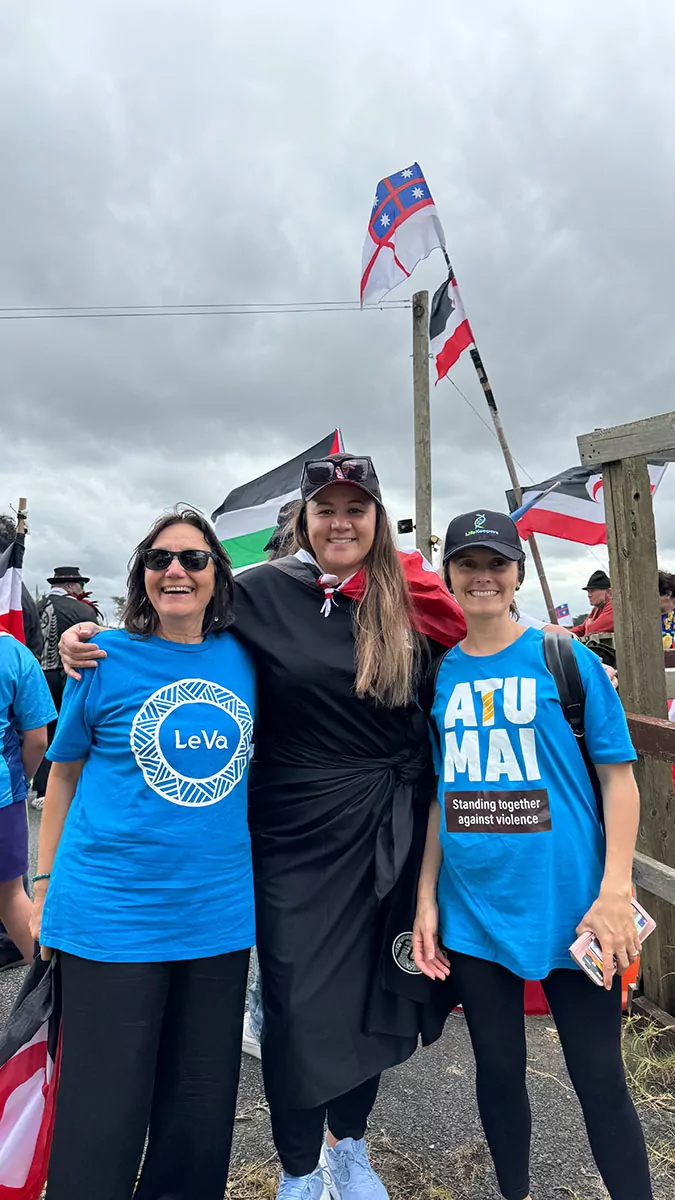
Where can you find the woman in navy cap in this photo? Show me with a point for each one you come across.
(519, 861)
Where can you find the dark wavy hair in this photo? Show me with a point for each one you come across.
(140, 617)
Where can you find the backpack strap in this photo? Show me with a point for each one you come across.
(562, 663)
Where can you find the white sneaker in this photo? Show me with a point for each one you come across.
(250, 1044)
(37, 803)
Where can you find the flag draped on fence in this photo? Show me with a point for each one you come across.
(404, 228)
(575, 509)
(11, 612)
(449, 329)
(247, 517)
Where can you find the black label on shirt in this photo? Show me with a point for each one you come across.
(498, 812)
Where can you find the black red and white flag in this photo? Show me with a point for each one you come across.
(11, 564)
(569, 505)
(29, 1070)
(449, 329)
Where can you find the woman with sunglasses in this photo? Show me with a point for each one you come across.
(144, 883)
(340, 769)
(518, 862)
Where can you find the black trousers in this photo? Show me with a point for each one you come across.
(150, 1047)
(298, 1132)
(588, 1020)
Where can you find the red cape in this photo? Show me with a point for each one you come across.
(437, 613)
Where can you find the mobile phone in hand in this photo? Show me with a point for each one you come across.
(587, 951)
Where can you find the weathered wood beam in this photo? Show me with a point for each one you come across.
(652, 438)
(655, 877)
(631, 542)
(652, 1015)
(652, 737)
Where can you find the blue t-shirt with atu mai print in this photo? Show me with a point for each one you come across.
(523, 846)
(154, 862)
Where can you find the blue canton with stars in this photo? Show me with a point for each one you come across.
(396, 198)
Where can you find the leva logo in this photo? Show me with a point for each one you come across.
(191, 740)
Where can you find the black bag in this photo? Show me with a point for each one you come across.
(562, 663)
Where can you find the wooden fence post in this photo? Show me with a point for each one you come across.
(633, 567)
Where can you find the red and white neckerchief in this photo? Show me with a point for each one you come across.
(330, 584)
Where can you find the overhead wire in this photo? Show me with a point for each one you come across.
(76, 311)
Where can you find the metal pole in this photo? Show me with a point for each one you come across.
(422, 421)
(513, 476)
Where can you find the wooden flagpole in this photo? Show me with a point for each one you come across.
(21, 514)
(422, 422)
(513, 476)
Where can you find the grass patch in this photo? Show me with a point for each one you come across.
(650, 1069)
(406, 1177)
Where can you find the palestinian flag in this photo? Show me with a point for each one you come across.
(449, 330)
(247, 517)
(569, 505)
(11, 612)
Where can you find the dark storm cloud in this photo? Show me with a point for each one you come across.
(168, 153)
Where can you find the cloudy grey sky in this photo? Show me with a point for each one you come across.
(190, 151)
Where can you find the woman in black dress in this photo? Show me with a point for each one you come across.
(340, 769)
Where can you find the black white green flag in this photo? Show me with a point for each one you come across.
(247, 517)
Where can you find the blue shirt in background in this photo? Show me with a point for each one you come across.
(154, 863)
(25, 703)
(523, 847)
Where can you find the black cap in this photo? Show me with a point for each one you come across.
(490, 530)
(599, 581)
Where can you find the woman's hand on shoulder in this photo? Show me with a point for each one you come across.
(77, 652)
(429, 958)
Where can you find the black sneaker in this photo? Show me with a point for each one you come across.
(10, 957)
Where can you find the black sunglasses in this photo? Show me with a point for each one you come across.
(190, 560)
(325, 470)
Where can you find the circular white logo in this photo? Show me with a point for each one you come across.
(191, 740)
(402, 950)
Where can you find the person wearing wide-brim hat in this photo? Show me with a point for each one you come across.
(59, 610)
(601, 616)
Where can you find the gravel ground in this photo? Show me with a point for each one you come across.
(425, 1134)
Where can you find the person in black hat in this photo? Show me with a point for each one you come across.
(601, 616)
(61, 608)
(518, 863)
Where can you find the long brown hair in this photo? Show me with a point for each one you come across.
(386, 648)
(139, 616)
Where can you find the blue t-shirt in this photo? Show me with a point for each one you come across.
(523, 847)
(154, 862)
(25, 703)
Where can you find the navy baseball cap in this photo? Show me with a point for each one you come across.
(485, 529)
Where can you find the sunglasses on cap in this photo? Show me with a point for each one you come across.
(321, 472)
(190, 560)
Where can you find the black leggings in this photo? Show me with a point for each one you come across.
(298, 1132)
(588, 1020)
(147, 1046)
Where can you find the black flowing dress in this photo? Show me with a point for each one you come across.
(333, 788)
